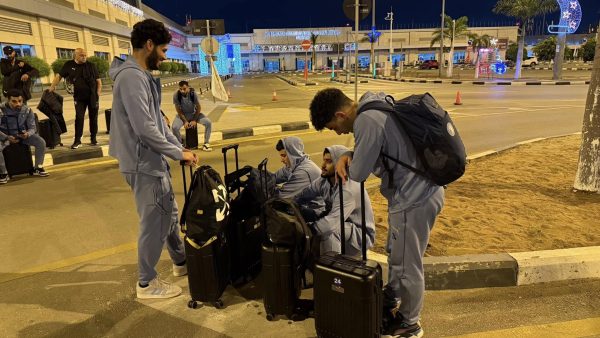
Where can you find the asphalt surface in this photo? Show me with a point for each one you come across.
(69, 264)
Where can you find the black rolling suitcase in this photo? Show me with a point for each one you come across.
(17, 157)
(348, 291)
(245, 231)
(207, 254)
(191, 138)
(284, 259)
(47, 132)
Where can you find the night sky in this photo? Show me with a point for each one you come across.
(242, 16)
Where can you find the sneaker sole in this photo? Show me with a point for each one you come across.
(144, 296)
(419, 334)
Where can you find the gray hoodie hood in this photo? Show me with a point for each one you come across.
(336, 152)
(370, 97)
(295, 151)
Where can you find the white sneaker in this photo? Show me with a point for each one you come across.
(157, 289)
(179, 271)
(206, 147)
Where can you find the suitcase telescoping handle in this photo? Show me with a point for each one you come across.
(262, 170)
(224, 150)
(184, 178)
(362, 216)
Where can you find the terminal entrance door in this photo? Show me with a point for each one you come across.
(271, 65)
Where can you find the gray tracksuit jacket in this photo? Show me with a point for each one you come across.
(376, 132)
(330, 221)
(301, 173)
(139, 138)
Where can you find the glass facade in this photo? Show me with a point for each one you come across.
(22, 50)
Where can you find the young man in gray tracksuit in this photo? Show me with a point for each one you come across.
(328, 223)
(413, 201)
(296, 174)
(141, 142)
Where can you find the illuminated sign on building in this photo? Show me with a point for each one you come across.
(177, 39)
(302, 35)
(125, 7)
(292, 48)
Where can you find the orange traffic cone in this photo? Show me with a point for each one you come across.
(274, 95)
(229, 92)
(458, 101)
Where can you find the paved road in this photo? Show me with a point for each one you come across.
(81, 220)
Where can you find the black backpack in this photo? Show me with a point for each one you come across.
(432, 132)
(285, 226)
(206, 209)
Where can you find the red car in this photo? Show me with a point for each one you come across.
(429, 64)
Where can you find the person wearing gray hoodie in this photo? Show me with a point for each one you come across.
(297, 173)
(141, 142)
(328, 223)
(413, 201)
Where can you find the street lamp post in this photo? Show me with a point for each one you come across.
(373, 66)
(441, 63)
(388, 65)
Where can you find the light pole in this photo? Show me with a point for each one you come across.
(388, 65)
(373, 40)
(441, 63)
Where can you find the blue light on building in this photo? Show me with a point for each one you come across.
(237, 59)
(229, 60)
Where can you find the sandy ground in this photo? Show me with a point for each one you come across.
(518, 200)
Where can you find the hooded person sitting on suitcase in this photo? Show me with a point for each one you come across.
(327, 226)
(17, 125)
(297, 173)
(414, 201)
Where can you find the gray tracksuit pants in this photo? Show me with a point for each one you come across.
(202, 119)
(157, 209)
(353, 234)
(33, 140)
(408, 236)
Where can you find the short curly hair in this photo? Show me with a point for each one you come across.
(149, 29)
(325, 104)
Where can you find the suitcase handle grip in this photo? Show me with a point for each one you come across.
(342, 220)
(227, 148)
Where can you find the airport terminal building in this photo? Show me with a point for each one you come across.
(52, 29)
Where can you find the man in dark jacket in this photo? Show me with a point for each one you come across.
(87, 87)
(17, 74)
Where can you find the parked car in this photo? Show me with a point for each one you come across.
(429, 64)
(530, 62)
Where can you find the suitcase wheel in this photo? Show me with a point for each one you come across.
(192, 304)
(270, 317)
(219, 304)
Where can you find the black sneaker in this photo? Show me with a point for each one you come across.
(40, 172)
(76, 145)
(402, 329)
(94, 142)
(4, 178)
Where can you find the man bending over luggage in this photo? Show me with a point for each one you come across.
(328, 223)
(297, 173)
(141, 142)
(17, 125)
(413, 201)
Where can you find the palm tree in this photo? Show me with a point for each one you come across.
(523, 10)
(455, 29)
(479, 42)
(313, 40)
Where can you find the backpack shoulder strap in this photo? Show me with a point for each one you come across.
(388, 106)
